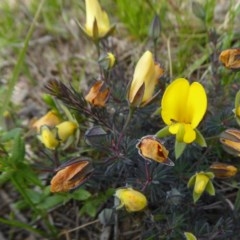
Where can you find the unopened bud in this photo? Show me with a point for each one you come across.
(230, 140)
(107, 61)
(155, 28)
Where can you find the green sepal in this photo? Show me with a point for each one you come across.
(164, 132)
(179, 148)
(191, 181)
(237, 105)
(189, 236)
(210, 188)
(200, 140)
(196, 196)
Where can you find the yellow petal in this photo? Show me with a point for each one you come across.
(50, 119)
(132, 200)
(200, 183)
(197, 104)
(174, 101)
(190, 134)
(47, 138)
(66, 129)
(94, 12)
(147, 73)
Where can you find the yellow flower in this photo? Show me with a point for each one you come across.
(230, 58)
(66, 129)
(131, 199)
(71, 175)
(150, 148)
(97, 22)
(145, 78)
(223, 170)
(98, 94)
(50, 119)
(201, 182)
(48, 138)
(183, 107)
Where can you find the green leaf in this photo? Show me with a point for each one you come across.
(21, 225)
(18, 149)
(198, 10)
(9, 135)
(200, 140)
(179, 148)
(89, 208)
(51, 202)
(163, 132)
(81, 194)
(189, 236)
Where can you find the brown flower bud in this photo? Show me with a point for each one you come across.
(230, 58)
(230, 140)
(150, 148)
(71, 175)
(98, 94)
(223, 170)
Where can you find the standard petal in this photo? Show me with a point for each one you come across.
(174, 101)
(196, 104)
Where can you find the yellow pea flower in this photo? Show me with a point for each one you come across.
(183, 107)
(145, 79)
(48, 138)
(201, 182)
(66, 129)
(51, 119)
(97, 24)
(131, 199)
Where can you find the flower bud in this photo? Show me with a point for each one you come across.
(145, 78)
(131, 199)
(50, 119)
(107, 61)
(202, 183)
(223, 170)
(98, 94)
(151, 148)
(155, 28)
(66, 129)
(230, 140)
(97, 24)
(230, 58)
(71, 175)
(48, 138)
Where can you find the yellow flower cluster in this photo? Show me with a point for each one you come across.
(52, 130)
